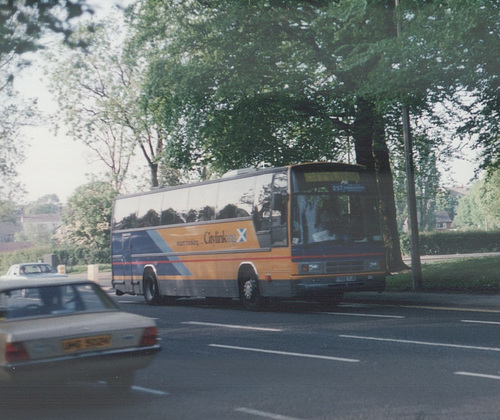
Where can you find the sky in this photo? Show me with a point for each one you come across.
(54, 164)
(57, 164)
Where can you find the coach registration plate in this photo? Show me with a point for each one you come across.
(86, 343)
(344, 279)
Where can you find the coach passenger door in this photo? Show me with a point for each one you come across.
(279, 211)
(127, 259)
(121, 267)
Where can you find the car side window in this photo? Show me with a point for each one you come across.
(53, 300)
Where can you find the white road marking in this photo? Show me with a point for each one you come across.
(239, 327)
(447, 308)
(422, 343)
(470, 321)
(364, 315)
(149, 390)
(285, 353)
(264, 414)
(478, 375)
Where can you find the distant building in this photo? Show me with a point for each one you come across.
(49, 222)
(26, 226)
(443, 220)
(8, 231)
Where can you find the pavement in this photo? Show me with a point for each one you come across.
(453, 301)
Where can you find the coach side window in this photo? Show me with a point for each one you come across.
(125, 213)
(149, 210)
(279, 213)
(262, 203)
(202, 200)
(235, 198)
(175, 207)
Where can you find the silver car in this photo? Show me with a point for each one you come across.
(30, 270)
(66, 330)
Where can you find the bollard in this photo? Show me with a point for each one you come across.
(93, 272)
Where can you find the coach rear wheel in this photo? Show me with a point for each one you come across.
(151, 292)
(250, 295)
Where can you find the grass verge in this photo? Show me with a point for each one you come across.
(464, 275)
(79, 269)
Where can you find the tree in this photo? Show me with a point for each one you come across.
(87, 218)
(23, 22)
(446, 201)
(427, 180)
(96, 92)
(99, 92)
(479, 208)
(48, 204)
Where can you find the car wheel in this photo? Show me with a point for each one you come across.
(250, 295)
(151, 292)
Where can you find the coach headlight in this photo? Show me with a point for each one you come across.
(311, 268)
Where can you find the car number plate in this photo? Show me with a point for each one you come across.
(344, 279)
(86, 343)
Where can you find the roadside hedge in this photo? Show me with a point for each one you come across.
(68, 256)
(440, 243)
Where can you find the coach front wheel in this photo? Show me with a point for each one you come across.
(151, 292)
(250, 295)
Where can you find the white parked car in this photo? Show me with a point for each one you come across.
(63, 330)
(31, 270)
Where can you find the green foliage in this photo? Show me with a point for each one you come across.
(446, 201)
(480, 208)
(454, 242)
(48, 204)
(7, 211)
(81, 255)
(22, 22)
(233, 83)
(87, 220)
(281, 82)
(24, 255)
(427, 179)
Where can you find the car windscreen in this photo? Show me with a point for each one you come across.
(36, 269)
(53, 300)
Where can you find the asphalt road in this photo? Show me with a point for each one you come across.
(292, 361)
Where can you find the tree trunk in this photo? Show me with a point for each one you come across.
(154, 174)
(371, 151)
(387, 203)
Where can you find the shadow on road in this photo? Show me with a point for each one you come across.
(66, 401)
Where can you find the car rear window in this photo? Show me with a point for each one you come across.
(53, 300)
